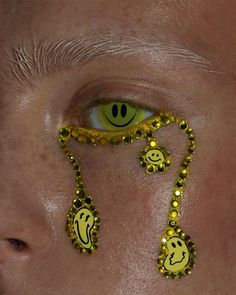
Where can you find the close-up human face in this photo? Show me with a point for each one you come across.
(109, 65)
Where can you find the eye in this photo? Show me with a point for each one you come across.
(115, 116)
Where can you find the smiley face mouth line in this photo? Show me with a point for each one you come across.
(158, 160)
(87, 233)
(116, 125)
(172, 255)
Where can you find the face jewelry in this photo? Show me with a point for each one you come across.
(177, 251)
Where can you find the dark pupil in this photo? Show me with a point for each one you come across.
(173, 245)
(115, 110)
(179, 243)
(123, 110)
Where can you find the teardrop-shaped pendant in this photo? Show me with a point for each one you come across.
(83, 223)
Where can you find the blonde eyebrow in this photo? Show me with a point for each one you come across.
(46, 57)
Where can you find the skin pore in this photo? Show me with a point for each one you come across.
(176, 56)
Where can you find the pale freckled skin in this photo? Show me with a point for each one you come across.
(37, 181)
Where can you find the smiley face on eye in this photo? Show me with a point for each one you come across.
(155, 157)
(83, 224)
(119, 115)
(178, 255)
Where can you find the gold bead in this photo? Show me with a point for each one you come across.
(169, 232)
(165, 120)
(174, 213)
(156, 124)
(127, 139)
(183, 173)
(138, 134)
(153, 143)
(168, 162)
(150, 168)
(175, 204)
(161, 269)
(177, 193)
(64, 132)
(183, 124)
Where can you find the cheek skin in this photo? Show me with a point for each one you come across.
(132, 205)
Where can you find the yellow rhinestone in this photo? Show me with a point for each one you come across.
(174, 213)
(175, 204)
(127, 139)
(150, 169)
(156, 124)
(168, 162)
(183, 173)
(153, 143)
(183, 124)
(161, 269)
(163, 240)
(169, 232)
(177, 193)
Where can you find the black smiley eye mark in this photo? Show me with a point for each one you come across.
(123, 110)
(173, 245)
(179, 243)
(115, 110)
(81, 215)
(87, 217)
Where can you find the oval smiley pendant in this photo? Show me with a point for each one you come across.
(83, 224)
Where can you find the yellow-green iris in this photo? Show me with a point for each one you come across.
(119, 115)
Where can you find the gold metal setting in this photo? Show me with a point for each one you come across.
(177, 251)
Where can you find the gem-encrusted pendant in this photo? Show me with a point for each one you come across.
(177, 254)
(154, 158)
(83, 223)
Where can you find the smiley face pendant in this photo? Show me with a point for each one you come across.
(177, 254)
(154, 158)
(83, 224)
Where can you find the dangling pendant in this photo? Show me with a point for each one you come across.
(83, 223)
(154, 158)
(177, 254)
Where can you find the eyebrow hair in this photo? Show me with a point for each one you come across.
(45, 57)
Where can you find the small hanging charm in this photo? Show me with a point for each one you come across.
(154, 158)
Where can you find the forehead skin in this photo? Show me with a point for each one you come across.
(37, 182)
